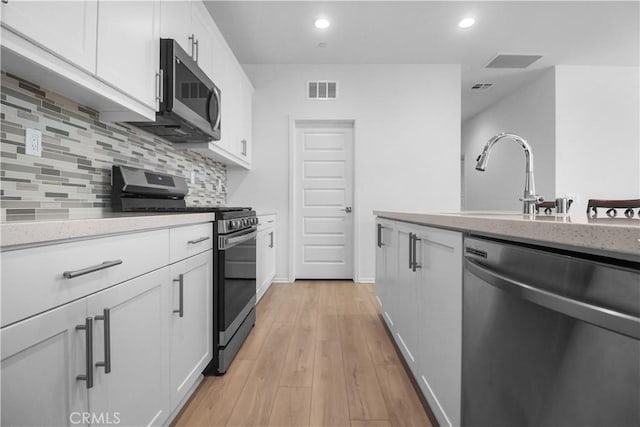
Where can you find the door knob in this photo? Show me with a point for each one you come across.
(347, 209)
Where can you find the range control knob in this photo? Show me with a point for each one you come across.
(233, 224)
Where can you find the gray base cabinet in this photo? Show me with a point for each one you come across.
(419, 287)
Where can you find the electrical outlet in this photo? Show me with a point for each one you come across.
(33, 142)
(193, 177)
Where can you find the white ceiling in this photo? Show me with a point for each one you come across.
(426, 32)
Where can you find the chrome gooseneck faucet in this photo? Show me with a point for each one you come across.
(530, 197)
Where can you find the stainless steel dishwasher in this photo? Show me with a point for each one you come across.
(550, 338)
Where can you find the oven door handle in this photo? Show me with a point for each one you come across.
(226, 242)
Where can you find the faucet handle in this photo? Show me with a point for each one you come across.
(532, 199)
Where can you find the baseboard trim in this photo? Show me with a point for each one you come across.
(366, 280)
(280, 280)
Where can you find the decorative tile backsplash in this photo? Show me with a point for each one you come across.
(78, 150)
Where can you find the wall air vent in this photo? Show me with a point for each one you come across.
(512, 61)
(322, 90)
(481, 86)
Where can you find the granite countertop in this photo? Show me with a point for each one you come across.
(14, 235)
(614, 237)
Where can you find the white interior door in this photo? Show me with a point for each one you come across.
(324, 201)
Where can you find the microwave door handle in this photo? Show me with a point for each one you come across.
(213, 122)
(217, 95)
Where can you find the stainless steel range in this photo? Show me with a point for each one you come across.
(234, 284)
(234, 263)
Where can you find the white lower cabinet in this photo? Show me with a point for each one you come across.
(126, 353)
(440, 321)
(41, 358)
(137, 330)
(124, 331)
(419, 285)
(191, 323)
(406, 287)
(265, 254)
(386, 271)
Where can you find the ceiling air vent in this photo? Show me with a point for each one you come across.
(322, 90)
(481, 86)
(512, 61)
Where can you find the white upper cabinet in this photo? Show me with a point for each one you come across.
(129, 47)
(246, 115)
(236, 111)
(218, 61)
(65, 28)
(175, 19)
(203, 38)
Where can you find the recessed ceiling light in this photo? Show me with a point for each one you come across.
(322, 23)
(466, 22)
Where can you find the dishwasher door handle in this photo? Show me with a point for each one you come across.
(600, 316)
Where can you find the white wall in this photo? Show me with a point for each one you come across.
(528, 112)
(597, 133)
(407, 142)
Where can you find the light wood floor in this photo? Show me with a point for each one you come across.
(319, 355)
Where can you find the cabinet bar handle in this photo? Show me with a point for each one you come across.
(88, 328)
(92, 269)
(197, 43)
(161, 85)
(192, 39)
(410, 251)
(158, 87)
(180, 309)
(380, 244)
(244, 147)
(271, 244)
(201, 239)
(415, 262)
(106, 316)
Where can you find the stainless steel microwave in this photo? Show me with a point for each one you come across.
(189, 101)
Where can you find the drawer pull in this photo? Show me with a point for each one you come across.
(201, 239)
(77, 273)
(106, 316)
(88, 328)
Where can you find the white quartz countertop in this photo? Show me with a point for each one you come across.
(32, 232)
(617, 237)
(261, 212)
